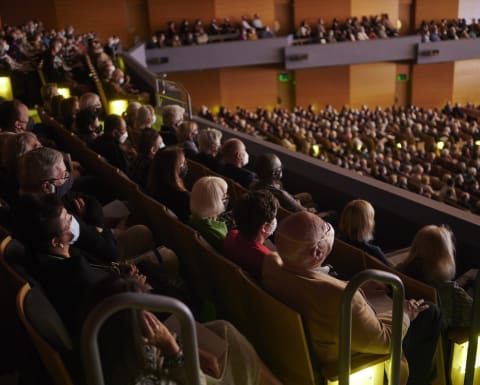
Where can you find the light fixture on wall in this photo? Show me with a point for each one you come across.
(6, 91)
(117, 107)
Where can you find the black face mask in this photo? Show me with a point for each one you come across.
(61, 191)
(183, 172)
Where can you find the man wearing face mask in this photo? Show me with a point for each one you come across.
(255, 216)
(43, 171)
(109, 144)
(235, 158)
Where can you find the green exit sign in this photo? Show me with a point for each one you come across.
(284, 77)
(402, 77)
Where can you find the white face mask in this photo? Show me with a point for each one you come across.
(121, 81)
(75, 230)
(272, 227)
(123, 137)
(154, 119)
(246, 158)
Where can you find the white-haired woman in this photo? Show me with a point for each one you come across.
(432, 260)
(208, 200)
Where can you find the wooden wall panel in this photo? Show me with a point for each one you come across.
(236, 9)
(466, 82)
(248, 87)
(469, 9)
(321, 86)
(435, 10)
(373, 84)
(162, 11)
(19, 13)
(312, 10)
(403, 87)
(104, 17)
(204, 87)
(432, 84)
(375, 7)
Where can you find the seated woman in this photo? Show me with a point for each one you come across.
(432, 260)
(166, 181)
(357, 223)
(208, 200)
(209, 143)
(87, 125)
(150, 142)
(147, 352)
(145, 117)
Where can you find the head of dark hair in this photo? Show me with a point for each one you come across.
(37, 220)
(254, 209)
(113, 122)
(9, 114)
(85, 118)
(266, 166)
(165, 170)
(147, 140)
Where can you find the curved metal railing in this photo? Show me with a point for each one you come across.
(111, 305)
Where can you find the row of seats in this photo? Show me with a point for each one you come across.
(226, 280)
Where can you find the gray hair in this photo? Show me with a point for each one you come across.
(207, 139)
(37, 165)
(172, 115)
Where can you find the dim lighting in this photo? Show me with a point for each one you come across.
(399, 145)
(6, 88)
(117, 107)
(316, 150)
(65, 92)
(440, 145)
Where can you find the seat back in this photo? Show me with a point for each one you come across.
(278, 336)
(346, 259)
(12, 253)
(226, 285)
(46, 331)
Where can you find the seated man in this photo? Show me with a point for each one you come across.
(108, 144)
(235, 157)
(269, 170)
(209, 142)
(294, 276)
(14, 116)
(172, 116)
(255, 215)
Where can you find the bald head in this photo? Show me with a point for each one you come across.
(234, 152)
(268, 167)
(304, 239)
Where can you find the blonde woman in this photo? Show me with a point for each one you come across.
(357, 223)
(432, 260)
(208, 201)
(145, 117)
(187, 134)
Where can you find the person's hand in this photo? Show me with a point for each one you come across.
(372, 288)
(156, 333)
(414, 307)
(131, 270)
(80, 207)
(209, 363)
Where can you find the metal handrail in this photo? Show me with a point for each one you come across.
(346, 322)
(161, 83)
(157, 303)
(474, 333)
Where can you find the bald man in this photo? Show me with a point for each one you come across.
(235, 158)
(14, 116)
(296, 277)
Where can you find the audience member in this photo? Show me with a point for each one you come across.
(304, 241)
(357, 223)
(255, 216)
(187, 133)
(209, 143)
(172, 117)
(235, 158)
(208, 200)
(166, 181)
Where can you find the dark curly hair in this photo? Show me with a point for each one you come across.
(254, 209)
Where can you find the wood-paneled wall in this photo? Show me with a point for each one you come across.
(432, 84)
(236, 9)
(321, 86)
(435, 10)
(372, 84)
(375, 7)
(312, 10)
(248, 87)
(466, 81)
(19, 13)
(204, 87)
(162, 11)
(104, 17)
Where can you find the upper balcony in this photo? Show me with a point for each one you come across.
(281, 51)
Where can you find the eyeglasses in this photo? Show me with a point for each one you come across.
(65, 176)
